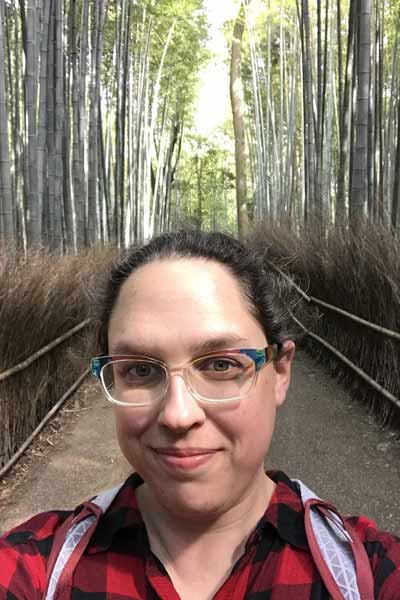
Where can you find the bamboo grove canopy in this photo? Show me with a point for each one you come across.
(98, 139)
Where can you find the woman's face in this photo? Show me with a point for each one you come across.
(196, 458)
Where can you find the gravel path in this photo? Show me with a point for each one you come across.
(322, 437)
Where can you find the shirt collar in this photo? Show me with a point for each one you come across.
(285, 514)
(121, 515)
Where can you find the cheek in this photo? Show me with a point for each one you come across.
(131, 423)
(251, 425)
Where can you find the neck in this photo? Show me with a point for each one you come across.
(175, 536)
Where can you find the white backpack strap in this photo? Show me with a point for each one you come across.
(66, 544)
(337, 551)
(106, 498)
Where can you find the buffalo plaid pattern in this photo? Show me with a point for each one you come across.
(119, 565)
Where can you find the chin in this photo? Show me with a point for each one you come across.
(190, 500)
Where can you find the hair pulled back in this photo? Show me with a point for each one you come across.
(259, 286)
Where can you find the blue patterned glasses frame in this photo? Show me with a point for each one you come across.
(219, 376)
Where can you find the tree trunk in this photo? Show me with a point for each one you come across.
(359, 191)
(345, 111)
(93, 228)
(389, 147)
(69, 207)
(339, 61)
(119, 124)
(99, 61)
(6, 207)
(17, 128)
(42, 152)
(31, 79)
(79, 155)
(58, 127)
(49, 215)
(120, 192)
(396, 185)
(199, 170)
(380, 126)
(238, 110)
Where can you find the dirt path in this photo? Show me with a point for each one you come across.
(322, 437)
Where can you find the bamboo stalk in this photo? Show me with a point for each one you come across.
(42, 423)
(312, 299)
(257, 145)
(239, 129)
(60, 205)
(349, 363)
(154, 113)
(26, 363)
(6, 203)
(81, 156)
(93, 134)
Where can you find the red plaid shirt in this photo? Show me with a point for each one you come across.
(119, 565)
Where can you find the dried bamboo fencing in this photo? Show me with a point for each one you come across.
(310, 299)
(373, 326)
(27, 363)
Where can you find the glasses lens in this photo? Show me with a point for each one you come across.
(134, 381)
(222, 377)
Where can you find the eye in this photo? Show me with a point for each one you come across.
(217, 363)
(138, 372)
(220, 366)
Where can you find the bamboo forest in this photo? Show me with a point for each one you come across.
(100, 103)
(274, 121)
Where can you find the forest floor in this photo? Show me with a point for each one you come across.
(322, 437)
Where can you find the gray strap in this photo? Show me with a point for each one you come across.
(335, 545)
(105, 499)
(74, 536)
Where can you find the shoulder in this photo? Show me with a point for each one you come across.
(383, 550)
(23, 555)
(25, 549)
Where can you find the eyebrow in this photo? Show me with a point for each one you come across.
(221, 342)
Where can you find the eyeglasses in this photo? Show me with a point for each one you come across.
(216, 377)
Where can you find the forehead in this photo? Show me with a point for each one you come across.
(185, 299)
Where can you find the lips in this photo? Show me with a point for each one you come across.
(184, 451)
(184, 459)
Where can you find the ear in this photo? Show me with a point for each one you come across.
(283, 367)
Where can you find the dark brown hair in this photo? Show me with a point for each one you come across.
(260, 286)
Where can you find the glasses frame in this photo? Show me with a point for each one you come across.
(260, 357)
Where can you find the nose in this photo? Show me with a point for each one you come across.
(179, 410)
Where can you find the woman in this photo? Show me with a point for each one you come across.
(196, 358)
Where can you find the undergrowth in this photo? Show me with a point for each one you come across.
(42, 296)
(358, 271)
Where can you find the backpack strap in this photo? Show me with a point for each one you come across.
(70, 542)
(337, 550)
